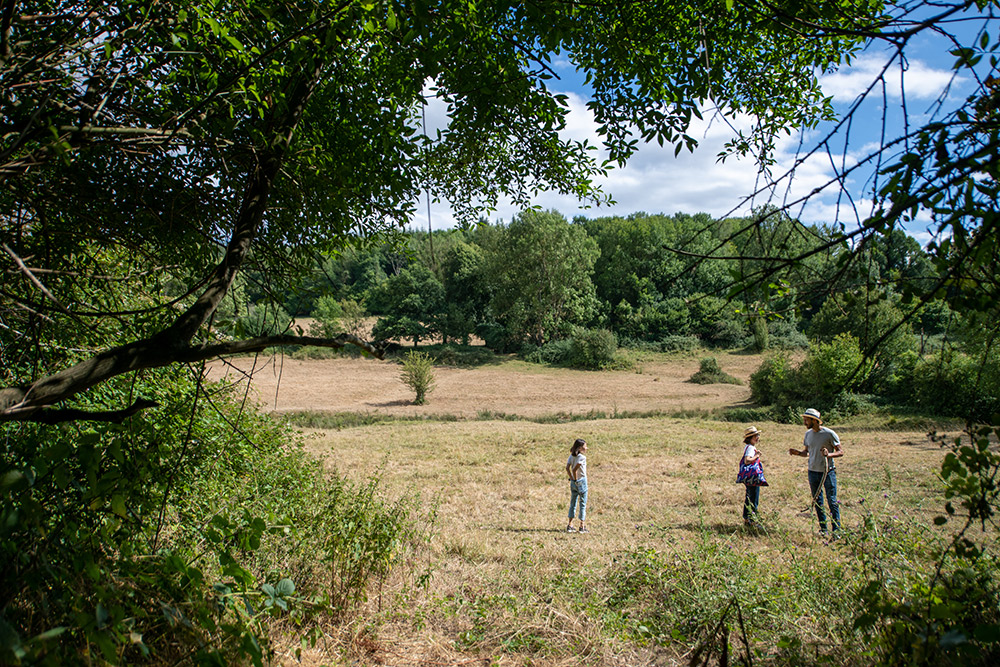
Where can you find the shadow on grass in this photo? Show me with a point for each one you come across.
(453, 354)
(548, 529)
(725, 528)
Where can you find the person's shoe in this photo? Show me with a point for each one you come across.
(584, 530)
(570, 529)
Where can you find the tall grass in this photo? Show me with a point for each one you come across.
(667, 572)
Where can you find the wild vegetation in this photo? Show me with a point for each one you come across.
(174, 176)
(668, 572)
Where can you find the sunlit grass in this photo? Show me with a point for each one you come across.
(665, 522)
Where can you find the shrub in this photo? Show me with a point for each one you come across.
(592, 348)
(710, 373)
(679, 343)
(831, 368)
(730, 334)
(556, 352)
(327, 315)
(956, 385)
(638, 345)
(847, 404)
(759, 332)
(175, 537)
(496, 337)
(337, 316)
(770, 381)
(261, 320)
(784, 335)
(418, 374)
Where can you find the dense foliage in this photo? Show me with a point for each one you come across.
(178, 538)
(175, 177)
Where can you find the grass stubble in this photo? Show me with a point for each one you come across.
(508, 586)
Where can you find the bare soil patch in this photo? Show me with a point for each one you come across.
(511, 387)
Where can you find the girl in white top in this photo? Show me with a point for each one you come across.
(751, 454)
(576, 470)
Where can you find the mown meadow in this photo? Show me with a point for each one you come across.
(668, 574)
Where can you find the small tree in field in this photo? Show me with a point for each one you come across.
(418, 374)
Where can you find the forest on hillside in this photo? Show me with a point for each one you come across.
(573, 292)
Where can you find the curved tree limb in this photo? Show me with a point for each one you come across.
(33, 402)
(173, 344)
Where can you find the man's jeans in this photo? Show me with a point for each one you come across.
(578, 489)
(830, 486)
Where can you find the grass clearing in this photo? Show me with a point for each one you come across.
(509, 587)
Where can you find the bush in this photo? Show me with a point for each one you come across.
(710, 373)
(556, 352)
(679, 343)
(592, 348)
(730, 334)
(847, 404)
(337, 316)
(955, 385)
(496, 337)
(261, 320)
(832, 368)
(784, 335)
(176, 537)
(771, 379)
(638, 345)
(418, 374)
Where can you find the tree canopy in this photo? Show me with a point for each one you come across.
(198, 140)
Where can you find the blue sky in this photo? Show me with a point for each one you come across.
(655, 181)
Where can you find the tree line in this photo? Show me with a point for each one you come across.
(574, 291)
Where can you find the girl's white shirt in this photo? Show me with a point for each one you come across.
(580, 459)
(749, 452)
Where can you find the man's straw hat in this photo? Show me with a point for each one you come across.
(814, 413)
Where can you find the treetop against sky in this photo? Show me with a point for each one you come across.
(897, 87)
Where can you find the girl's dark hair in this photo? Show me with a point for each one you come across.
(746, 440)
(577, 446)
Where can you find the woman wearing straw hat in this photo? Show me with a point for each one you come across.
(821, 445)
(751, 455)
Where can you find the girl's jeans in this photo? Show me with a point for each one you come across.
(830, 486)
(750, 503)
(578, 489)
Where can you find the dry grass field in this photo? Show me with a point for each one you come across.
(505, 579)
(510, 387)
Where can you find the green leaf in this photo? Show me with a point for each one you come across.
(118, 505)
(285, 587)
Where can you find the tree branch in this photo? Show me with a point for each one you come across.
(20, 403)
(72, 414)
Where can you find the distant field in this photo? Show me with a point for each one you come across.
(509, 387)
(507, 585)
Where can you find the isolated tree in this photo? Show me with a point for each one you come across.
(211, 138)
(539, 274)
(411, 305)
(418, 375)
(465, 287)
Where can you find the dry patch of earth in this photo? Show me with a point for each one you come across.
(510, 387)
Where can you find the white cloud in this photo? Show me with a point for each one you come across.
(918, 79)
(655, 181)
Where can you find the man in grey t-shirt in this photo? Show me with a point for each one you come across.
(822, 446)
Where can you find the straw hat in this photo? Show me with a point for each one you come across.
(751, 430)
(814, 413)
